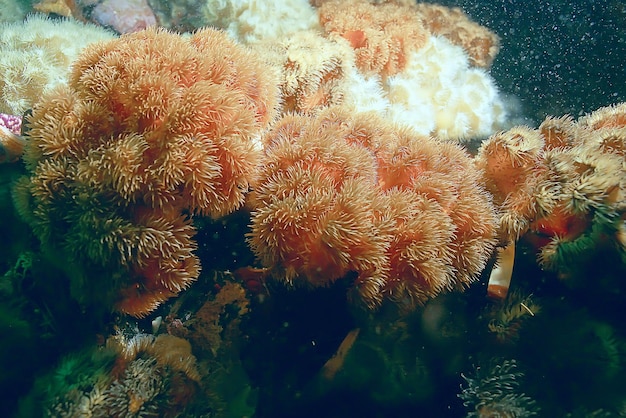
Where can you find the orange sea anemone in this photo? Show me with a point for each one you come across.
(560, 186)
(382, 35)
(606, 117)
(480, 43)
(344, 192)
(420, 253)
(314, 211)
(152, 129)
(457, 212)
(512, 167)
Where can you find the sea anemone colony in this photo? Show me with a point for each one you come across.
(296, 208)
(151, 129)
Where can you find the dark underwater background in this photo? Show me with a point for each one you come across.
(556, 57)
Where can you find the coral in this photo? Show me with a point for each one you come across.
(561, 187)
(124, 16)
(73, 387)
(318, 3)
(313, 70)
(444, 179)
(251, 20)
(438, 93)
(135, 144)
(36, 56)
(396, 67)
(382, 35)
(494, 391)
(512, 167)
(137, 393)
(213, 325)
(346, 193)
(158, 373)
(207, 327)
(315, 208)
(430, 84)
(480, 43)
(560, 169)
(606, 117)
(167, 351)
(421, 254)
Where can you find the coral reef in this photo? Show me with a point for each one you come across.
(397, 66)
(440, 94)
(298, 166)
(407, 55)
(136, 143)
(130, 377)
(314, 70)
(137, 374)
(213, 326)
(316, 180)
(481, 44)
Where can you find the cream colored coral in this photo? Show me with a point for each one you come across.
(253, 20)
(35, 56)
(439, 93)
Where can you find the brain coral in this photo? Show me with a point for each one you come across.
(152, 129)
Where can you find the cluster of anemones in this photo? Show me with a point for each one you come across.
(342, 192)
(383, 34)
(152, 128)
(560, 186)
